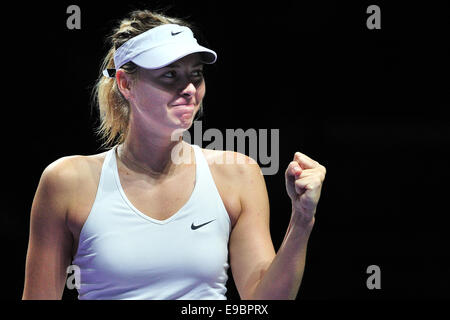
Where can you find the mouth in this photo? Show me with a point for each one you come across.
(185, 106)
(183, 110)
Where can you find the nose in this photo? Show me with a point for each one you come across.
(189, 90)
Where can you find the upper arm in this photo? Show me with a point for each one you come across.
(251, 247)
(50, 241)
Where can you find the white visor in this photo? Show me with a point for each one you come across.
(159, 47)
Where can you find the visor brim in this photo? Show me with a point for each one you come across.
(163, 56)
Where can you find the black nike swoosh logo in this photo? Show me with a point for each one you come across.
(194, 227)
(175, 33)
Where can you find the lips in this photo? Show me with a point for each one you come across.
(181, 109)
(183, 106)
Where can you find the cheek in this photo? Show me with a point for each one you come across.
(150, 98)
(201, 90)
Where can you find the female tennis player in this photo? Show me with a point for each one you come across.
(140, 225)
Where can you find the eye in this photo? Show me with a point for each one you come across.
(170, 74)
(197, 73)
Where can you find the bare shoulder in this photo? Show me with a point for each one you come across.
(231, 164)
(70, 172)
(235, 172)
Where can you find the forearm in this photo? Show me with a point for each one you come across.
(282, 279)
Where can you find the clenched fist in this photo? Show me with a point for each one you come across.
(304, 179)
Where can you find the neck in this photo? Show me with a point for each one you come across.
(154, 155)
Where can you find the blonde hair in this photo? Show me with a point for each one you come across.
(114, 109)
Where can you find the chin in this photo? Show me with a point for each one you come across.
(186, 124)
(185, 121)
(179, 128)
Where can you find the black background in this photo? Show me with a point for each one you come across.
(370, 105)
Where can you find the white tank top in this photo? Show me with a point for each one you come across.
(125, 254)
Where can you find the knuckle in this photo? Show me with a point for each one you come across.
(289, 168)
(293, 163)
(322, 175)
